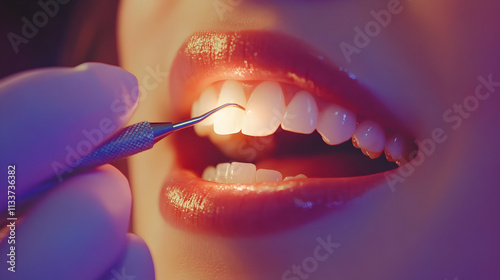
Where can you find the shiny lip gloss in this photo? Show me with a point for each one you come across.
(191, 203)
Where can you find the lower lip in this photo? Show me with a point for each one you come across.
(193, 204)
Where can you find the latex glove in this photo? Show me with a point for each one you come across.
(77, 230)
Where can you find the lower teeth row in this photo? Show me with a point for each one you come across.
(244, 173)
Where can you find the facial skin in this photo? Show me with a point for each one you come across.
(439, 222)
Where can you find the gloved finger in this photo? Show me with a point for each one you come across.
(136, 262)
(51, 117)
(77, 231)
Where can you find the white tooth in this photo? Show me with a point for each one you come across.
(301, 114)
(206, 102)
(209, 173)
(300, 176)
(370, 137)
(222, 172)
(372, 155)
(355, 142)
(396, 149)
(201, 130)
(336, 124)
(242, 173)
(229, 120)
(264, 110)
(267, 175)
(194, 109)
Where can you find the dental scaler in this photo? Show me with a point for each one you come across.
(138, 138)
(129, 141)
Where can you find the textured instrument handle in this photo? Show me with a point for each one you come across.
(129, 141)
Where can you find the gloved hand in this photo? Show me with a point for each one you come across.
(77, 229)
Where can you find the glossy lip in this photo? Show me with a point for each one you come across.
(211, 56)
(194, 204)
(188, 202)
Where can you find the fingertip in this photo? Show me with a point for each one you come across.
(136, 262)
(106, 188)
(59, 114)
(119, 83)
(83, 222)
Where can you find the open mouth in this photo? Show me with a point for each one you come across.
(311, 139)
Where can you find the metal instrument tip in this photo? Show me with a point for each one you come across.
(195, 120)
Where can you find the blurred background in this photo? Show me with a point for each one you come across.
(79, 31)
(76, 32)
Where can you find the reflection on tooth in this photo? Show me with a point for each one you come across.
(301, 114)
(336, 124)
(395, 149)
(372, 155)
(370, 136)
(194, 109)
(242, 173)
(300, 176)
(388, 156)
(355, 142)
(209, 173)
(229, 120)
(206, 102)
(222, 172)
(267, 175)
(264, 110)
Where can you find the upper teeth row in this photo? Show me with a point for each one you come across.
(266, 111)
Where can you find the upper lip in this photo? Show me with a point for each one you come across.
(208, 57)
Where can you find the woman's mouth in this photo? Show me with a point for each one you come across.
(311, 138)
